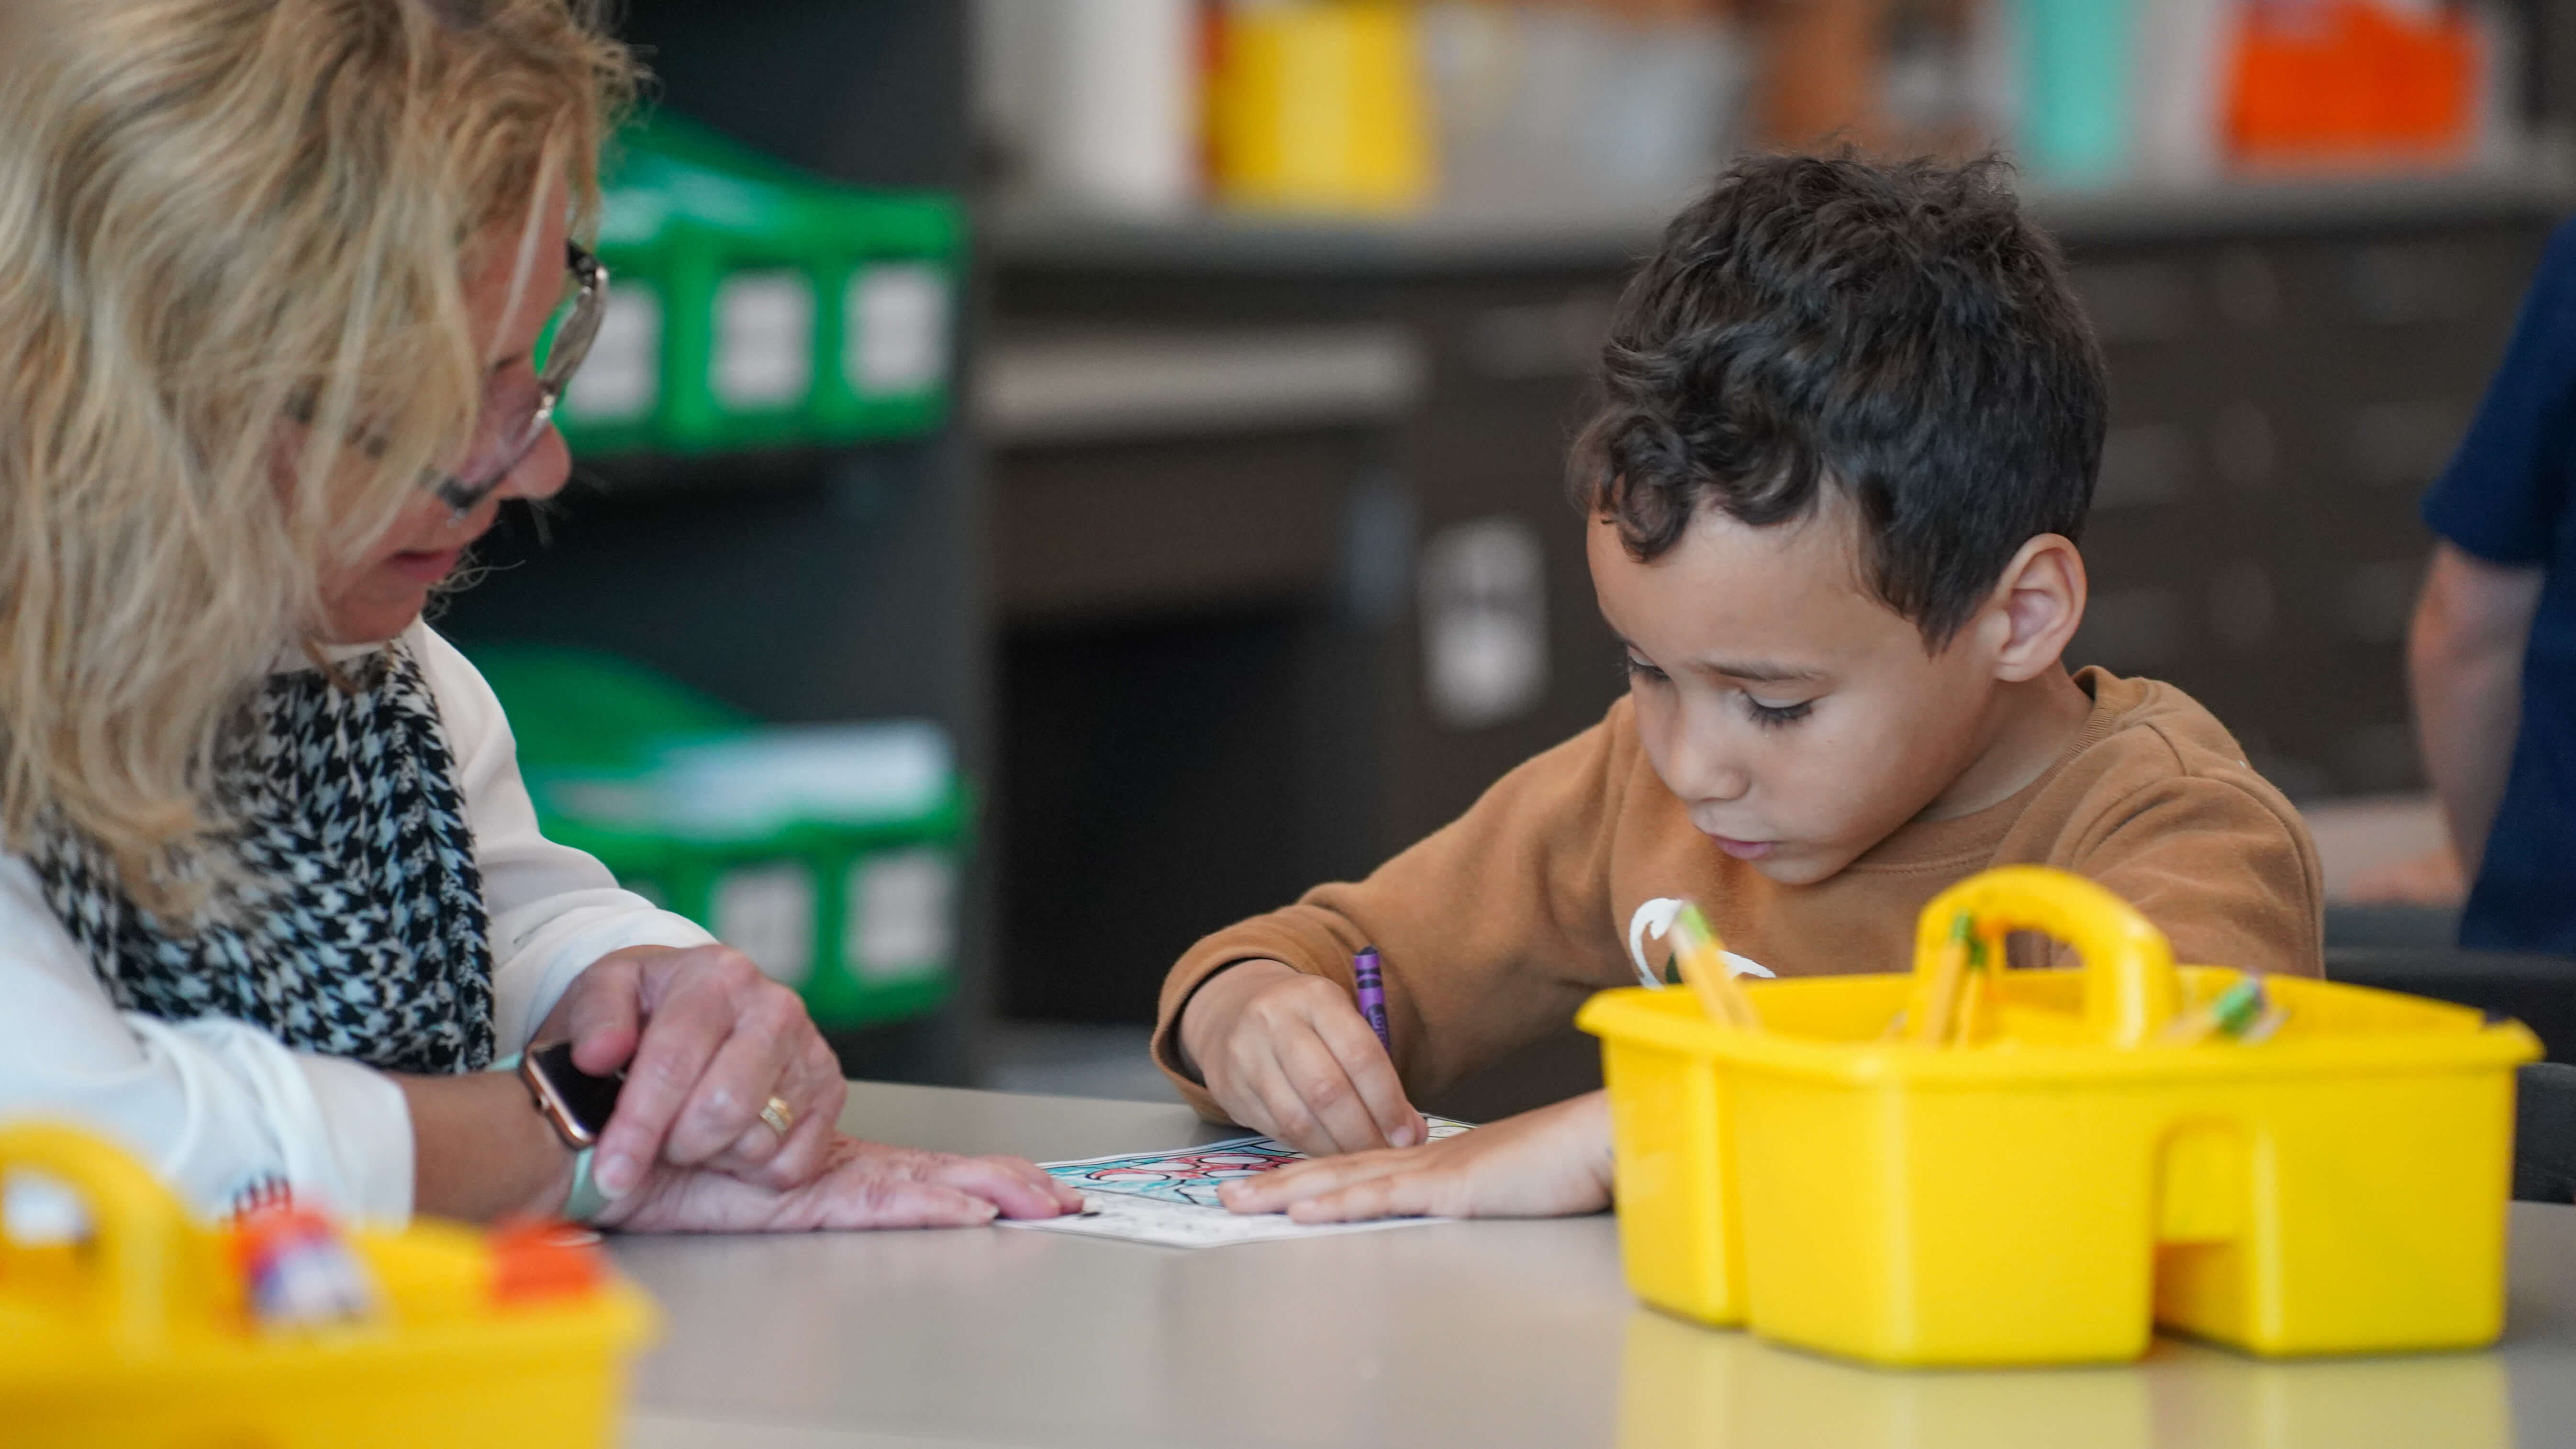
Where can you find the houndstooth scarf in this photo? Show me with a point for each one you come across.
(361, 932)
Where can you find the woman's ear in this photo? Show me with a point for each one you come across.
(2036, 607)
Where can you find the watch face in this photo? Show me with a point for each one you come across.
(582, 1100)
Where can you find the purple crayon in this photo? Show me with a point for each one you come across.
(1364, 971)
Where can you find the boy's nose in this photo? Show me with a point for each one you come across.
(1705, 767)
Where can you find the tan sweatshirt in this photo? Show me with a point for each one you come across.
(1495, 928)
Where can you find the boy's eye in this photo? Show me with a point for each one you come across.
(1773, 716)
(1639, 669)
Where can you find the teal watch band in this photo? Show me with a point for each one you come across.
(586, 1200)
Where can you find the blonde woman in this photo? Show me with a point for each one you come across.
(273, 276)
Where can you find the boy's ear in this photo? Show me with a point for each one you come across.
(2036, 607)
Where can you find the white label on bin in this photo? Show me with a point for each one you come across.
(896, 337)
(1483, 590)
(767, 913)
(764, 341)
(622, 379)
(901, 914)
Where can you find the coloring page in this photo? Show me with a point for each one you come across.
(1191, 1175)
(1179, 1225)
(1169, 1198)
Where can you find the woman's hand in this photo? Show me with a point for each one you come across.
(706, 1040)
(862, 1185)
(1552, 1162)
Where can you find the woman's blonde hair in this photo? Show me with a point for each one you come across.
(216, 216)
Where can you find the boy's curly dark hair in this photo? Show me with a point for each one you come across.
(1901, 330)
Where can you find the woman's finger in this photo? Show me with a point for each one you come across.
(1017, 1186)
(680, 1038)
(830, 1090)
(604, 1015)
(765, 1040)
(815, 1090)
(761, 1155)
(856, 1198)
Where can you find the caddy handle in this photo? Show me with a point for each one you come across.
(2130, 988)
(140, 1235)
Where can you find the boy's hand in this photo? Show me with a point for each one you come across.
(1288, 1054)
(1548, 1163)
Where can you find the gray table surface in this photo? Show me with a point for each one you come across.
(1487, 1334)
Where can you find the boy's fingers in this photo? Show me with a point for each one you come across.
(1322, 1083)
(1274, 1191)
(1408, 1193)
(1372, 1074)
(1286, 1116)
(1241, 1082)
(1298, 1126)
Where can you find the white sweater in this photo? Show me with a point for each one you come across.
(220, 1107)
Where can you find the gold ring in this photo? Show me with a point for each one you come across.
(780, 1117)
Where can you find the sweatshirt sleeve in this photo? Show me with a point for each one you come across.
(554, 910)
(2227, 872)
(1490, 929)
(220, 1110)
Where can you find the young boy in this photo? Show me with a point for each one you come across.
(1852, 421)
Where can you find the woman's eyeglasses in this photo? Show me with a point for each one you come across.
(519, 407)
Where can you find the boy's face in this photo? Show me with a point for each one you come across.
(1796, 716)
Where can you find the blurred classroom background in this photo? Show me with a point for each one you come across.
(1067, 474)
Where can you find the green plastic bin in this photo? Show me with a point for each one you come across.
(853, 901)
(756, 306)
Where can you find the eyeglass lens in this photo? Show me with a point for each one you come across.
(518, 405)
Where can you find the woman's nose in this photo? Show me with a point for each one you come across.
(543, 472)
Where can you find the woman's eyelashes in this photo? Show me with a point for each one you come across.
(1636, 668)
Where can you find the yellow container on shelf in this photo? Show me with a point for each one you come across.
(1320, 106)
(2067, 1177)
(141, 1336)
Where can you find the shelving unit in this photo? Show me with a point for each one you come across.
(801, 585)
(1031, 236)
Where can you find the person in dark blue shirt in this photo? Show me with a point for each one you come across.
(2493, 652)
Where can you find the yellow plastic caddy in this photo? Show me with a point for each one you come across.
(2047, 1191)
(140, 1338)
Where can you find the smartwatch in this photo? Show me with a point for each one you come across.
(577, 1103)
